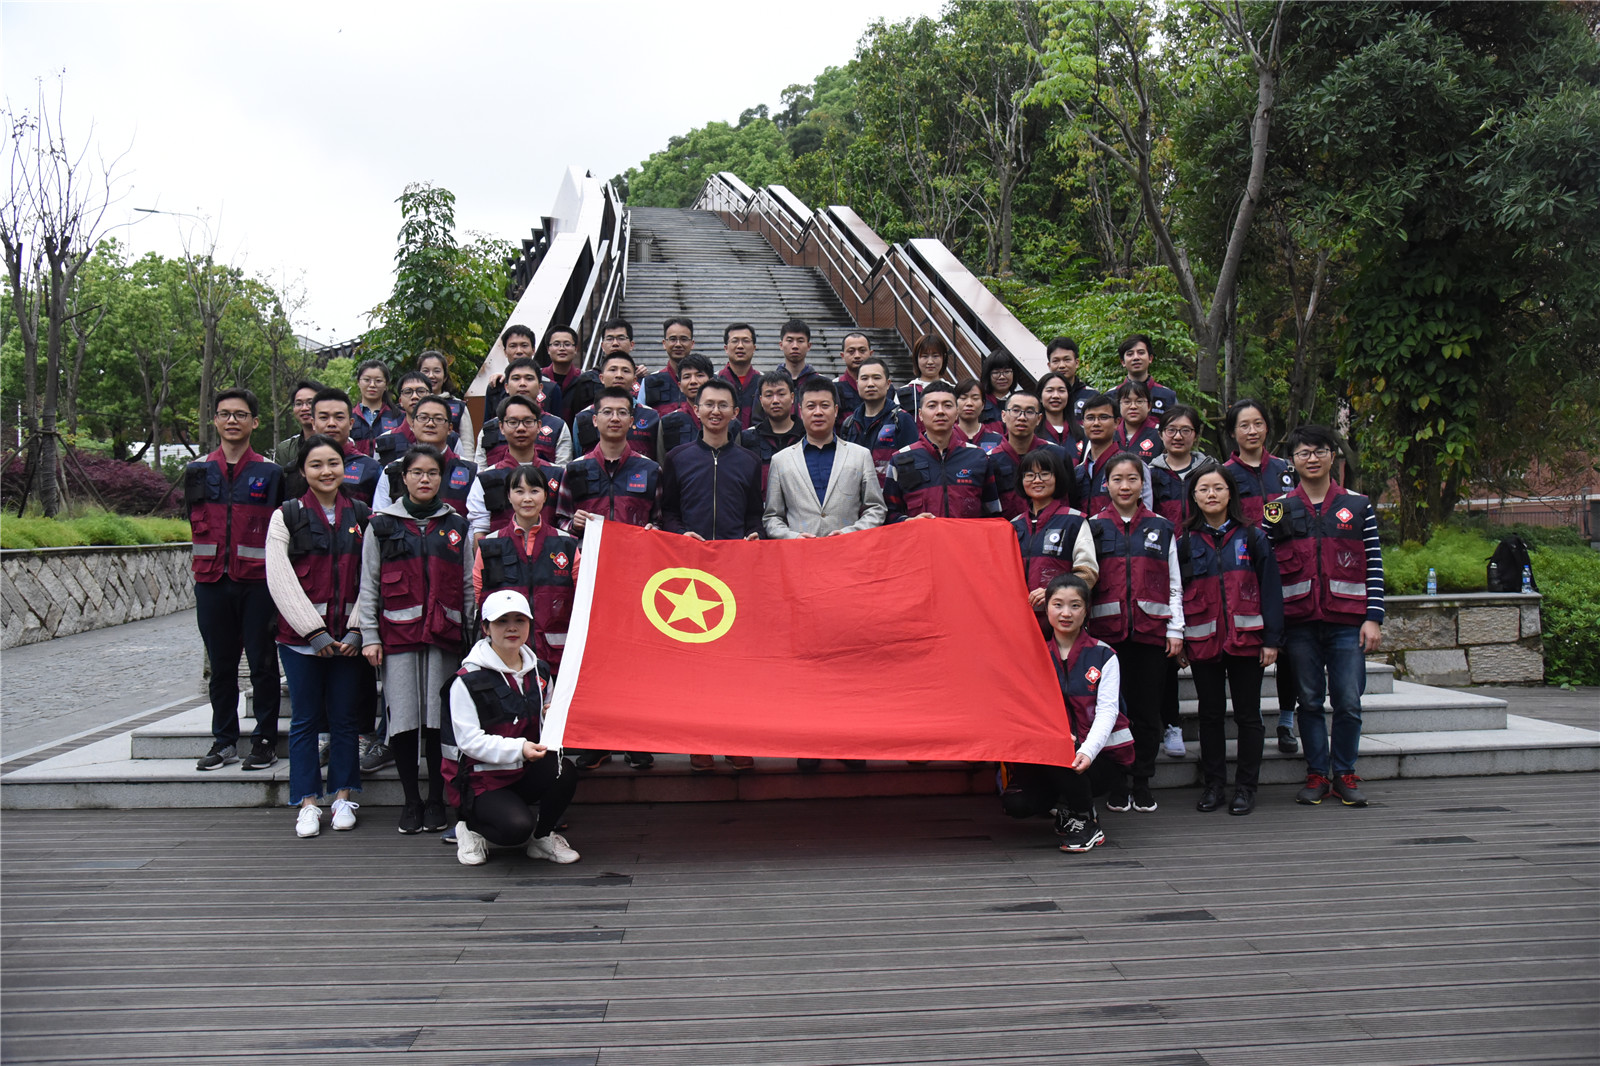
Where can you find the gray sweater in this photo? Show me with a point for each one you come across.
(372, 586)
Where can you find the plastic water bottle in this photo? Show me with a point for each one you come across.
(1494, 576)
(1433, 582)
(1527, 578)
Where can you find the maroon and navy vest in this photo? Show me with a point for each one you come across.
(1079, 677)
(660, 391)
(421, 573)
(363, 434)
(545, 573)
(361, 473)
(1129, 601)
(228, 517)
(503, 712)
(496, 484)
(388, 447)
(496, 450)
(326, 560)
(641, 431)
(1274, 478)
(849, 396)
(1146, 443)
(1092, 490)
(765, 444)
(631, 495)
(1169, 493)
(749, 393)
(949, 485)
(458, 475)
(1222, 604)
(679, 426)
(1322, 558)
(1005, 460)
(883, 434)
(1047, 540)
(987, 440)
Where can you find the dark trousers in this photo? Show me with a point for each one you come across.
(1032, 789)
(234, 617)
(504, 816)
(1144, 677)
(1169, 696)
(1242, 676)
(369, 720)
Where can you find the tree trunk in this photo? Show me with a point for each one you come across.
(208, 364)
(48, 473)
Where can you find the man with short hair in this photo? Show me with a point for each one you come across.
(1137, 354)
(429, 423)
(794, 341)
(659, 391)
(1100, 426)
(1326, 541)
(617, 370)
(821, 486)
(777, 428)
(1170, 471)
(855, 350)
(229, 497)
(611, 480)
(681, 422)
(711, 487)
(1062, 357)
(563, 346)
(554, 438)
(936, 478)
(739, 345)
(489, 501)
(517, 342)
(878, 424)
(387, 447)
(331, 417)
(287, 453)
(1020, 416)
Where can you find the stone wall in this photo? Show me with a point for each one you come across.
(51, 592)
(1472, 638)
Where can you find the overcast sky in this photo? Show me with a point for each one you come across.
(294, 127)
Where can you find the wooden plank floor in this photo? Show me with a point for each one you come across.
(1454, 921)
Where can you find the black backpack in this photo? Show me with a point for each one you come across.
(1505, 566)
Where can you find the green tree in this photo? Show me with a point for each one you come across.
(755, 150)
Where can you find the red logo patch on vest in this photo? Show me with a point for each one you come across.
(1344, 515)
(560, 559)
(545, 431)
(1146, 444)
(1092, 675)
(453, 537)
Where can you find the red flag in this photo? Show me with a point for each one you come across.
(912, 641)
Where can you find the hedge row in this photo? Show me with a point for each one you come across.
(91, 530)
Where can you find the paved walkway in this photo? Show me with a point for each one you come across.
(69, 685)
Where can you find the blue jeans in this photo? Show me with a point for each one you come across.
(1328, 650)
(324, 694)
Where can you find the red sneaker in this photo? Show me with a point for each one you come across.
(1316, 790)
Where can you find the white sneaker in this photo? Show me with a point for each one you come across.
(308, 823)
(553, 848)
(344, 814)
(471, 848)
(1172, 742)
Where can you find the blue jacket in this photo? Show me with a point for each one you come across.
(715, 492)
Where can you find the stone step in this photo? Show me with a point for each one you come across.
(102, 775)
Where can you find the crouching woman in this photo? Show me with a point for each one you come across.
(1091, 693)
(496, 771)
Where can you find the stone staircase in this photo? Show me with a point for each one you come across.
(684, 262)
(1409, 730)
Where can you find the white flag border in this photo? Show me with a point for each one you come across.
(555, 723)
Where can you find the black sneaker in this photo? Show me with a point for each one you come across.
(1143, 801)
(411, 818)
(1348, 788)
(1286, 742)
(1119, 800)
(220, 755)
(807, 766)
(1083, 833)
(261, 755)
(590, 759)
(434, 818)
(1064, 821)
(376, 757)
(1316, 790)
(641, 760)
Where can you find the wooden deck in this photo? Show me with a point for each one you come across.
(1455, 921)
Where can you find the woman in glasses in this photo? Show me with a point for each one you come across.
(1052, 534)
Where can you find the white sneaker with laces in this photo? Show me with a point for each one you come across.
(553, 848)
(471, 848)
(1172, 742)
(344, 814)
(308, 823)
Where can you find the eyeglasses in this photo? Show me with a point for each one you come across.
(612, 412)
(1178, 431)
(1099, 418)
(432, 420)
(301, 403)
(561, 344)
(1024, 412)
(716, 405)
(234, 416)
(1038, 475)
(1313, 453)
(413, 393)
(520, 423)
(423, 475)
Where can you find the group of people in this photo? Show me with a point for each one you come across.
(391, 535)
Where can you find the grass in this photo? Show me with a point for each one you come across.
(93, 528)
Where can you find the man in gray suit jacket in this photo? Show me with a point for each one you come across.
(821, 486)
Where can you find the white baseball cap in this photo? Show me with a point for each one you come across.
(506, 601)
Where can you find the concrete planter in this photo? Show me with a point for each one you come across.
(1468, 638)
(51, 592)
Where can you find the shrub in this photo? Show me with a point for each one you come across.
(96, 528)
(106, 529)
(33, 532)
(1460, 559)
(128, 488)
(1570, 581)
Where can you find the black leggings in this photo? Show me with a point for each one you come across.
(504, 816)
(1143, 669)
(1032, 789)
(404, 746)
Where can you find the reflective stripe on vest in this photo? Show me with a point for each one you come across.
(1296, 590)
(405, 614)
(1199, 632)
(1105, 610)
(204, 550)
(1338, 588)
(251, 553)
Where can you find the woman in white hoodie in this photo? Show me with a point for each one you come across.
(496, 771)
